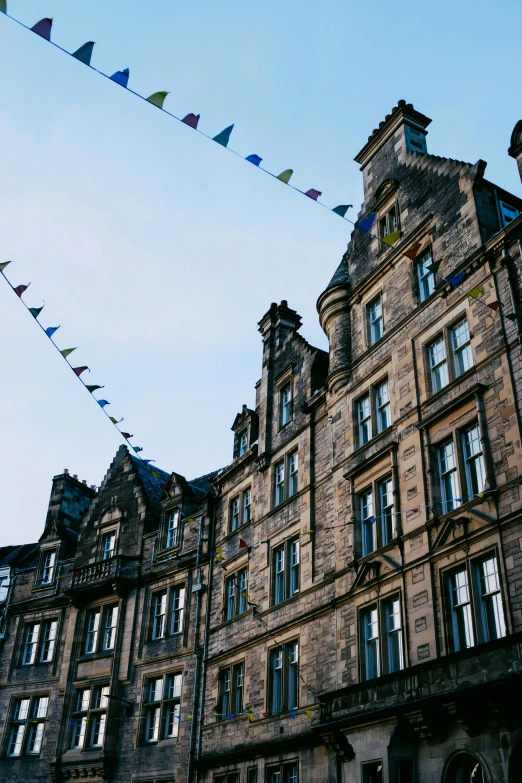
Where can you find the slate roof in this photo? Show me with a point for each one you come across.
(17, 554)
(341, 275)
(152, 486)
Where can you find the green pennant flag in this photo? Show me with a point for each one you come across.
(285, 175)
(35, 311)
(84, 53)
(391, 238)
(93, 388)
(4, 263)
(342, 209)
(157, 99)
(434, 266)
(3, 6)
(115, 421)
(512, 317)
(224, 137)
(66, 351)
(476, 292)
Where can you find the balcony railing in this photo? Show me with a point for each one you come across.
(114, 568)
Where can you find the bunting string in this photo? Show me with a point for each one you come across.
(78, 371)
(43, 29)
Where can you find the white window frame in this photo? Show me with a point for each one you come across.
(438, 361)
(48, 566)
(108, 538)
(375, 320)
(425, 277)
(284, 678)
(475, 465)
(97, 630)
(231, 691)
(390, 221)
(161, 707)
(236, 588)
(89, 717)
(173, 518)
(286, 570)
(287, 404)
(27, 725)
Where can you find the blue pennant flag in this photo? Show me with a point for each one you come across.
(366, 223)
(456, 279)
(121, 77)
(51, 330)
(103, 403)
(255, 159)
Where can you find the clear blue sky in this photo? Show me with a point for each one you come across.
(157, 251)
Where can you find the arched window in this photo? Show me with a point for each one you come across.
(465, 768)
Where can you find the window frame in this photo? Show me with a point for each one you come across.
(390, 220)
(420, 264)
(375, 528)
(281, 769)
(235, 603)
(106, 534)
(173, 614)
(43, 626)
(367, 411)
(383, 655)
(286, 404)
(27, 725)
(288, 679)
(91, 709)
(466, 491)
(98, 631)
(45, 568)
(452, 370)
(372, 337)
(231, 691)
(286, 477)
(239, 511)
(173, 532)
(285, 585)
(165, 709)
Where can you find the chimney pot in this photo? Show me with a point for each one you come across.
(66, 471)
(284, 303)
(93, 486)
(84, 481)
(402, 102)
(75, 475)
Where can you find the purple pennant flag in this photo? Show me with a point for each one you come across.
(43, 28)
(103, 403)
(456, 279)
(191, 120)
(51, 330)
(313, 194)
(20, 289)
(366, 223)
(78, 370)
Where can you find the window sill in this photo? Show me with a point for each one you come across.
(438, 519)
(435, 396)
(286, 601)
(236, 617)
(286, 501)
(95, 656)
(160, 743)
(381, 550)
(165, 638)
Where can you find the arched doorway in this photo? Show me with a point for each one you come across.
(465, 768)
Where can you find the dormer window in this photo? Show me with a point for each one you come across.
(507, 212)
(172, 527)
(243, 443)
(389, 222)
(286, 404)
(48, 567)
(109, 545)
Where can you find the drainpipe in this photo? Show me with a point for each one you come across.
(205, 641)
(197, 669)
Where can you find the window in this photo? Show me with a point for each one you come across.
(172, 527)
(31, 643)
(461, 348)
(474, 460)
(50, 629)
(286, 404)
(240, 509)
(39, 642)
(178, 607)
(425, 277)
(382, 638)
(105, 618)
(286, 487)
(389, 222)
(476, 607)
(164, 602)
(283, 773)
(231, 682)
(368, 522)
(382, 397)
(284, 674)
(27, 726)
(161, 707)
(236, 594)
(387, 513)
(438, 364)
(364, 417)
(243, 443)
(285, 560)
(109, 545)
(252, 775)
(89, 717)
(465, 768)
(507, 212)
(48, 567)
(375, 324)
(229, 777)
(372, 772)
(448, 477)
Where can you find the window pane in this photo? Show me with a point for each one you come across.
(277, 681)
(178, 603)
(460, 343)
(243, 444)
(159, 609)
(286, 405)
(463, 634)
(48, 567)
(438, 364)
(294, 471)
(426, 278)
(372, 772)
(294, 567)
(31, 643)
(93, 623)
(243, 586)
(35, 738)
(49, 640)
(371, 642)
(365, 420)
(293, 676)
(290, 773)
(383, 407)
(279, 575)
(368, 522)
(247, 501)
(172, 527)
(98, 730)
(375, 318)
(475, 469)
(172, 720)
(16, 740)
(448, 477)
(280, 482)
(41, 705)
(152, 724)
(387, 511)
(394, 630)
(111, 620)
(492, 608)
(109, 543)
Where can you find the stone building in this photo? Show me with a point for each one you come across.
(343, 601)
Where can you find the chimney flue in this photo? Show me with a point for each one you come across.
(66, 471)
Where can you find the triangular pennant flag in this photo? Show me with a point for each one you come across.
(391, 238)
(219, 559)
(84, 53)
(479, 495)
(191, 120)
(309, 713)
(285, 175)
(66, 351)
(43, 28)
(93, 388)
(512, 317)
(20, 289)
(434, 267)
(35, 311)
(146, 461)
(127, 435)
(342, 209)
(476, 292)
(243, 544)
(3, 6)
(103, 403)
(313, 194)
(51, 330)
(121, 77)
(79, 370)
(224, 137)
(493, 305)
(366, 223)
(155, 474)
(413, 252)
(309, 532)
(456, 280)
(158, 98)
(137, 449)
(115, 421)
(251, 716)
(255, 159)
(245, 595)
(293, 713)
(4, 263)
